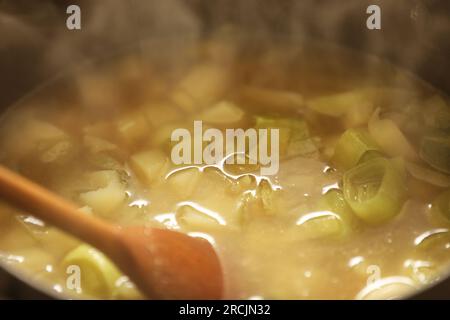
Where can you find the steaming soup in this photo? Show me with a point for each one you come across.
(359, 206)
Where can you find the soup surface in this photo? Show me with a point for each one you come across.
(358, 208)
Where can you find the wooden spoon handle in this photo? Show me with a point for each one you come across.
(55, 210)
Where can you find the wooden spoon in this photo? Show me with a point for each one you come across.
(164, 264)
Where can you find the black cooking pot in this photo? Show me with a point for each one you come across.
(36, 46)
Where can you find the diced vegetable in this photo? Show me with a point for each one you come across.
(203, 85)
(375, 190)
(354, 106)
(332, 218)
(389, 137)
(189, 217)
(150, 165)
(222, 113)
(108, 194)
(269, 99)
(294, 138)
(435, 150)
(184, 181)
(44, 139)
(428, 175)
(351, 147)
(98, 274)
(441, 205)
(95, 144)
(133, 128)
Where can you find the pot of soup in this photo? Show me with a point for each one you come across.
(308, 141)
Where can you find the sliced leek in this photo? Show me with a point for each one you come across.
(375, 190)
(351, 146)
(294, 137)
(96, 273)
(332, 218)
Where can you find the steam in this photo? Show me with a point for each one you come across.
(107, 26)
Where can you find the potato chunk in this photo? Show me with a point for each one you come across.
(150, 165)
(184, 181)
(203, 85)
(108, 194)
(192, 218)
(36, 136)
(222, 113)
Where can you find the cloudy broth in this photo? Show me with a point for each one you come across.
(352, 212)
